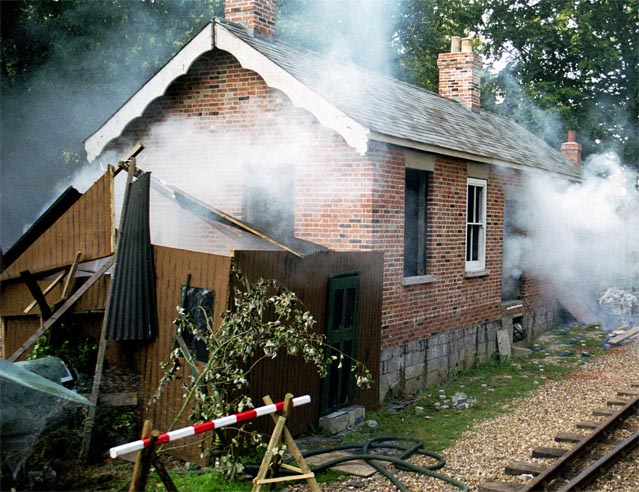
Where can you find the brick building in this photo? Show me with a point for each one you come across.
(331, 153)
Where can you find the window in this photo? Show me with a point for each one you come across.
(476, 225)
(198, 305)
(268, 198)
(415, 222)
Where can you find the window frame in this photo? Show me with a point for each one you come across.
(420, 222)
(480, 263)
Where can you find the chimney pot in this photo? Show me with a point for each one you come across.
(572, 136)
(466, 46)
(455, 44)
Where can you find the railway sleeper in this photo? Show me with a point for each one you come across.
(627, 393)
(588, 424)
(603, 412)
(517, 468)
(545, 452)
(617, 402)
(496, 486)
(569, 437)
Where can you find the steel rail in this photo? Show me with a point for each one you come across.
(594, 470)
(555, 470)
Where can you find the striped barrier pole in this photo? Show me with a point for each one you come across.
(207, 426)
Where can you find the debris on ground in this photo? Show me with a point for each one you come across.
(618, 302)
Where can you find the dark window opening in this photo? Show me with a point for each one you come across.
(269, 198)
(415, 222)
(198, 305)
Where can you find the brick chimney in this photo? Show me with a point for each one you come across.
(459, 73)
(258, 16)
(572, 149)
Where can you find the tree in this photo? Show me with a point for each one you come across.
(575, 59)
(65, 67)
(424, 29)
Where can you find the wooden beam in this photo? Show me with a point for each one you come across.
(135, 150)
(63, 309)
(37, 294)
(71, 277)
(49, 288)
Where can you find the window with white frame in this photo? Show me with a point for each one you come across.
(476, 225)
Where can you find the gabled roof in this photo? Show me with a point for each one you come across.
(359, 104)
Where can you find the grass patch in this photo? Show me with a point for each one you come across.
(491, 389)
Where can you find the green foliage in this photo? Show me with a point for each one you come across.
(65, 67)
(113, 426)
(576, 59)
(424, 31)
(76, 351)
(266, 320)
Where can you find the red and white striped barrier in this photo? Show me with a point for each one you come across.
(208, 426)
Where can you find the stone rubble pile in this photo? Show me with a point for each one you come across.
(618, 302)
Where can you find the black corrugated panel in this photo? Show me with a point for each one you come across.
(132, 313)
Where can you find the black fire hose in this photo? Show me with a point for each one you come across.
(389, 442)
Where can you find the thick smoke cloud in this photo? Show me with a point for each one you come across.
(97, 54)
(581, 237)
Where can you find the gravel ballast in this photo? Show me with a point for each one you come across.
(555, 407)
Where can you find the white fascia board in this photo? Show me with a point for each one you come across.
(155, 87)
(435, 149)
(355, 134)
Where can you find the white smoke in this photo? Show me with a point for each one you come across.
(583, 238)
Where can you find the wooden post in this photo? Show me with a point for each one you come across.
(138, 466)
(164, 475)
(303, 471)
(68, 285)
(49, 288)
(61, 310)
(37, 294)
(97, 375)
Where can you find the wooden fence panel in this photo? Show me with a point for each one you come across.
(308, 278)
(172, 267)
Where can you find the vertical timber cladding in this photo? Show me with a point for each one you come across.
(172, 266)
(87, 227)
(308, 277)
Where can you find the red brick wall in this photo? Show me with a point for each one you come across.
(343, 200)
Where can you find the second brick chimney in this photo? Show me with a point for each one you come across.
(571, 148)
(258, 16)
(459, 73)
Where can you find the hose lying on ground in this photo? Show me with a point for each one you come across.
(388, 442)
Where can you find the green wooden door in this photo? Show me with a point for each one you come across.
(341, 333)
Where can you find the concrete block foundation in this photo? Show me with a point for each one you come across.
(417, 365)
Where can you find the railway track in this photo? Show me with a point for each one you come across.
(590, 456)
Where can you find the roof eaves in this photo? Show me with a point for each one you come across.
(152, 89)
(411, 144)
(355, 134)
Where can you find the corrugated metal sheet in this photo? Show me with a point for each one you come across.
(132, 311)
